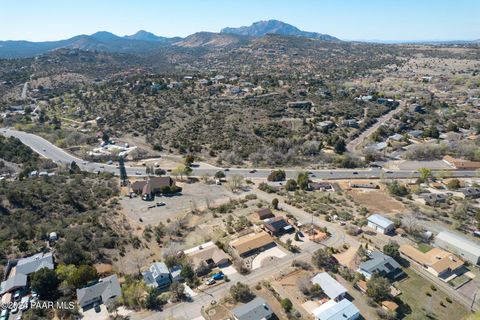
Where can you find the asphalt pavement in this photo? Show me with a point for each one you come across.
(60, 156)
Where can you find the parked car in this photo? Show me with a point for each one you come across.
(210, 281)
(96, 306)
(161, 204)
(138, 173)
(218, 276)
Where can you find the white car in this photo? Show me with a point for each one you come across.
(209, 281)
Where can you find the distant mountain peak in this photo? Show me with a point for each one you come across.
(145, 36)
(261, 28)
(104, 36)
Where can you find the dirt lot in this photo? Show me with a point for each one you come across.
(287, 287)
(376, 200)
(414, 290)
(193, 195)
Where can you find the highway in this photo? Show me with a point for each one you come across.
(60, 156)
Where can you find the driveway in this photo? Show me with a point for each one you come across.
(274, 252)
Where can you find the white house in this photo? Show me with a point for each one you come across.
(380, 223)
(330, 286)
(332, 310)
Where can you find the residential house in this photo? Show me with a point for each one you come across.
(415, 134)
(17, 271)
(397, 137)
(208, 254)
(277, 226)
(327, 124)
(438, 262)
(257, 309)
(264, 213)
(380, 223)
(332, 310)
(330, 286)
(432, 199)
(158, 276)
(324, 186)
(352, 123)
(252, 243)
(468, 192)
(465, 248)
(382, 264)
(148, 188)
(105, 291)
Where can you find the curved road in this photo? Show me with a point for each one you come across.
(60, 156)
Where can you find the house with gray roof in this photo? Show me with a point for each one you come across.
(105, 291)
(380, 223)
(467, 249)
(158, 276)
(257, 309)
(17, 271)
(382, 264)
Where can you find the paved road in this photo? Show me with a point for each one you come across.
(58, 155)
(353, 145)
(23, 95)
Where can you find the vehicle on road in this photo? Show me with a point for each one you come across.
(138, 173)
(161, 204)
(109, 162)
(210, 281)
(355, 172)
(252, 171)
(226, 169)
(388, 171)
(44, 149)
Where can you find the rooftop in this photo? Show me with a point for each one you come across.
(332, 310)
(254, 310)
(330, 286)
(460, 242)
(251, 242)
(380, 220)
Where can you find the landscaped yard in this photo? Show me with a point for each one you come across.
(414, 290)
(423, 247)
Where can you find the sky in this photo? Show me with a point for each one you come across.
(399, 20)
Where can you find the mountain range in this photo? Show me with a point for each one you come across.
(144, 41)
(262, 28)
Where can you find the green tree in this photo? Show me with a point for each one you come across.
(323, 258)
(241, 292)
(152, 302)
(391, 249)
(82, 275)
(189, 159)
(286, 305)
(45, 283)
(275, 203)
(291, 185)
(302, 180)
(340, 146)
(378, 288)
(425, 173)
(276, 175)
(219, 175)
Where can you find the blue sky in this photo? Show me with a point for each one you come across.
(40, 20)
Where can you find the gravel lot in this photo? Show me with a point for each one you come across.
(193, 195)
